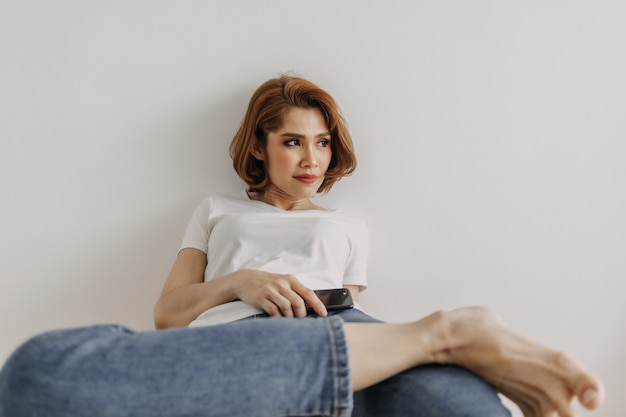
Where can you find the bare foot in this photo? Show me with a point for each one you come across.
(543, 382)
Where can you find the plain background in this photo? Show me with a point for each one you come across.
(490, 135)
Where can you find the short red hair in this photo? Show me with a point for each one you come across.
(266, 112)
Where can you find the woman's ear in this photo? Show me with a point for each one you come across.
(257, 150)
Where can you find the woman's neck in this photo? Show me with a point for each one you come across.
(282, 201)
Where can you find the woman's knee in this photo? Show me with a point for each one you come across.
(31, 378)
(433, 390)
(26, 377)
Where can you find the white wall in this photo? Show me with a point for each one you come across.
(490, 136)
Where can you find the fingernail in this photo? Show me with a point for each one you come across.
(588, 395)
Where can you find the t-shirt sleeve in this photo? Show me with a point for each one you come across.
(356, 266)
(197, 232)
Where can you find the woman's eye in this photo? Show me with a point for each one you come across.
(292, 142)
(324, 142)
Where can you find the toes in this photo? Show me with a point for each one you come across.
(592, 397)
(587, 388)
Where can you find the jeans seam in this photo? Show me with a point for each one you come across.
(342, 404)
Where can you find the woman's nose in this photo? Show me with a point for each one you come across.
(309, 159)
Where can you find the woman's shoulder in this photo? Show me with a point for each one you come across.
(347, 220)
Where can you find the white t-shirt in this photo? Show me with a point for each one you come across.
(321, 248)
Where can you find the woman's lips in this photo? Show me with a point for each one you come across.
(307, 179)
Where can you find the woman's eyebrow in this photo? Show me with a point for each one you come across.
(299, 135)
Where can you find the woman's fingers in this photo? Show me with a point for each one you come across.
(286, 296)
(283, 306)
(298, 296)
(308, 296)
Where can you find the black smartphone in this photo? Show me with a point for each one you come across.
(334, 299)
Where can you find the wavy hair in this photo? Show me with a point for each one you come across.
(266, 112)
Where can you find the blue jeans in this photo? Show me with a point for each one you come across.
(250, 368)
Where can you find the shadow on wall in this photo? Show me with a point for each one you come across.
(116, 273)
(203, 136)
(127, 275)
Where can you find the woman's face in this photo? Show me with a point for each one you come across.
(297, 155)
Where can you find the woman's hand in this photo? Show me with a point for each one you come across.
(277, 294)
(186, 295)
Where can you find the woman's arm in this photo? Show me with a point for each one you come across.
(185, 294)
(355, 290)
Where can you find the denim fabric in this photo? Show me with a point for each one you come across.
(265, 368)
(426, 391)
(250, 368)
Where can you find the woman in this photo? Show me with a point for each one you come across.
(260, 254)
(249, 246)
